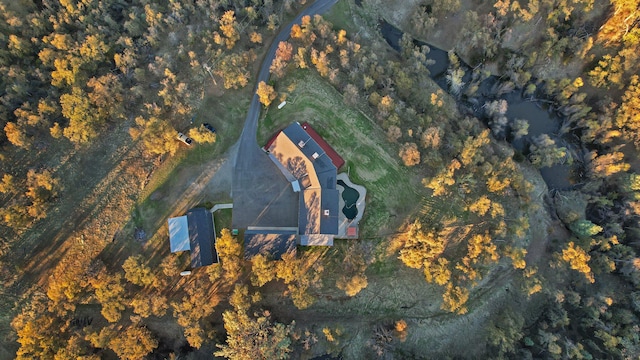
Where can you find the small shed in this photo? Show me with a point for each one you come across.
(194, 232)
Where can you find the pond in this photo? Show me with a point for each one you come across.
(350, 197)
(540, 119)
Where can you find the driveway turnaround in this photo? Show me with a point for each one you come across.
(261, 195)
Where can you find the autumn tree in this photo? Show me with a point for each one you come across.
(409, 154)
(234, 69)
(266, 93)
(420, 247)
(37, 331)
(83, 118)
(106, 96)
(628, 114)
(17, 135)
(353, 278)
(321, 60)
(202, 135)
(135, 342)
(607, 164)
(262, 270)
(110, 292)
(454, 299)
(229, 29)
(352, 285)
(284, 52)
(301, 274)
(443, 179)
(189, 313)
(230, 252)
(158, 136)
(137, 273)
(253, 337)
(578, 260)
(42, 187)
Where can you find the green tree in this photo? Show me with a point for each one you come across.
(545, 152)
(505, 331)
(584, 228)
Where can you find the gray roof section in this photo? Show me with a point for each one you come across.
(274, 244)
(201, 237)
(329, 202)
(322, 163)
(313, 218)
(316, 240)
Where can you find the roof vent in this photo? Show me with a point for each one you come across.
(326, 213)
(301, 144)
(315, 155)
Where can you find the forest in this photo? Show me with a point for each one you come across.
(467, 249)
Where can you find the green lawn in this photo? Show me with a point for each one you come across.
(222, 219)
(370, 159)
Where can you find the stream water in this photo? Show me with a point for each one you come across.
(538, 115)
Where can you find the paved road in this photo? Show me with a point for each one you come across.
(261, 194)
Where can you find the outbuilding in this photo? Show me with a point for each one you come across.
(194, 232)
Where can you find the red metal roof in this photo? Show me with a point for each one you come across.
(352, 231)
(336, 159)
(273, 138)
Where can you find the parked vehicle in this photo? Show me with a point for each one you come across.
(185, 139)
(209, 127)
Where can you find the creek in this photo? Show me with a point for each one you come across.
(540, 117)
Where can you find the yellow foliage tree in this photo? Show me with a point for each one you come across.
(16, 135)
(352, 285)
(517, 257)
(438, 271)
(202, 136)
(137, 273)
(262, 270)
(229, 28)
(454, 299)
(496, 185)
(420, 247)
(578, 260)
(230, 252)
(480, 206)
(134, 343)
(266, 93)
(110, 293)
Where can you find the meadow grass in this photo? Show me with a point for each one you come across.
(370, 159)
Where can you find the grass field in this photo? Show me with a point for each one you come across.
(370, 159)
